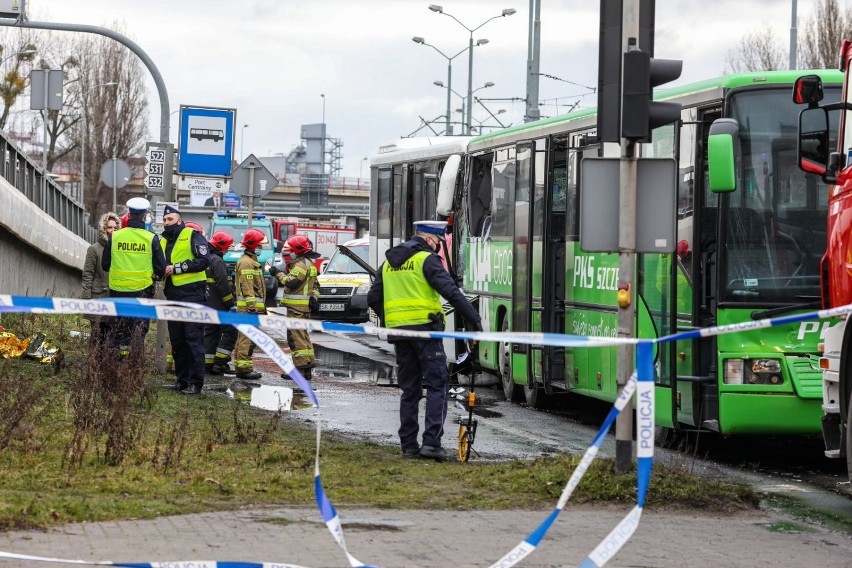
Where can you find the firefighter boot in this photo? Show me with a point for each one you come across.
(250, 375)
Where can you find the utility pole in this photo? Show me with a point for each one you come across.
(793, 39)
(534, 49)
(626, 261)
(640, 115)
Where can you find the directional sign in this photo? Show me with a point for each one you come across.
(206, 141)
(203, 184)
(158, 165)
(264, 180)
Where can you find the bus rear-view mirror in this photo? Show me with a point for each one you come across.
(808, 90)
(813, 147)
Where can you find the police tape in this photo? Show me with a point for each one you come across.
(196, 313)
(642, 382)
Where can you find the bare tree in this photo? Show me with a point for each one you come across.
(823, 33)
(19, 49)
(757, 51)
(111, 112)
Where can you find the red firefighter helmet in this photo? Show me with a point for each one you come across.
(124, 219)
(221, 241)
(252, 239)
(299, 244)
(194, 225)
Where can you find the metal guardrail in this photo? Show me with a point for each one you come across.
(28, 178)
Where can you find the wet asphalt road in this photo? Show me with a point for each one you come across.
(355, 386)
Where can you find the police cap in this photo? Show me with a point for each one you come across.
(432, 227)
(138, 205)
(169, 209)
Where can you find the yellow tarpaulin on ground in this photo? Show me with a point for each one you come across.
(10, 346)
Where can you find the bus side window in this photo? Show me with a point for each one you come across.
(480, 197)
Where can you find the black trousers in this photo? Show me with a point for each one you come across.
(421, 364)
(188, 351)
(219, 343)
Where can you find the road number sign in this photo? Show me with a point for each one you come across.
(155, 169)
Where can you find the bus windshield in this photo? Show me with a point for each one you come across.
(774, 224)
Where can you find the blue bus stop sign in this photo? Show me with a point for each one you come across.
(206, 141)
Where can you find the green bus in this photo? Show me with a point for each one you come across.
(513, 197)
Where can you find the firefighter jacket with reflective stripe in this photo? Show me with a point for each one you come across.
(220, 295)
(409, 299)
(248, 281)
(300, 285)
(131, 266)
(182, 251)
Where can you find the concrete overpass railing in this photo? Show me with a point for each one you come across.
(44, 233)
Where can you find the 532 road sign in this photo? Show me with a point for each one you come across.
(159, 161)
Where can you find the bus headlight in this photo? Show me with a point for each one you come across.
(753, 372)
(733, 372)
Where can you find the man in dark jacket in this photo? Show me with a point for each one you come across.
(188, 257)
(219, 340)
(407, 294)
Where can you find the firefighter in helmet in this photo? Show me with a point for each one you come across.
(301, 291)
(219, 340)
(251, 298)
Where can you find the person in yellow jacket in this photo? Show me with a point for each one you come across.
(134, 258)
(188, 255)
(301, 291)
(407, 295)
(251, 298)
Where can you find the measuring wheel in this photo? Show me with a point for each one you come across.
(467, 433)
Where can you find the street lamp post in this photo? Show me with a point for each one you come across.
(83, 144)
(463, 98)
(322, 171)
(242, 141)
(416, 39)
(440, 10)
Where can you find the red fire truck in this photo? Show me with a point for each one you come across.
(825, 149)
(325, 236)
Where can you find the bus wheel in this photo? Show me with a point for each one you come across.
(534, 397)
(849, 438)
(510, 390)
(668, 438)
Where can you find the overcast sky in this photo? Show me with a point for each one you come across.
(272, 59)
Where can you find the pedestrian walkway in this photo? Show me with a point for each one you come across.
(402, 538)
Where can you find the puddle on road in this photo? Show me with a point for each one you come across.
(347, 367)
(272, 398)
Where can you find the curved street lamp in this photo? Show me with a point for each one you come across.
(440, 10)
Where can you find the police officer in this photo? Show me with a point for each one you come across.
(186, 281)
(407, 293)
(301, 290)
(133, 257)
(219, 340)
(251, 298)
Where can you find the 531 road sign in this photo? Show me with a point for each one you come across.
(159, 159)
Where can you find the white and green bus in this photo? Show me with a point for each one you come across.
(513, 197)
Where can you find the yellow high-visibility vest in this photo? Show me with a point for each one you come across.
(408, 297)
(131, 267)
(183, 251)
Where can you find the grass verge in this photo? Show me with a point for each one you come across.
(98, 440)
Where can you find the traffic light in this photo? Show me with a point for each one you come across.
(639, 113)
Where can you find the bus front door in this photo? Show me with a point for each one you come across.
(538, 259)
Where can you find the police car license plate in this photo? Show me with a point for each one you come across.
(332, 307)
